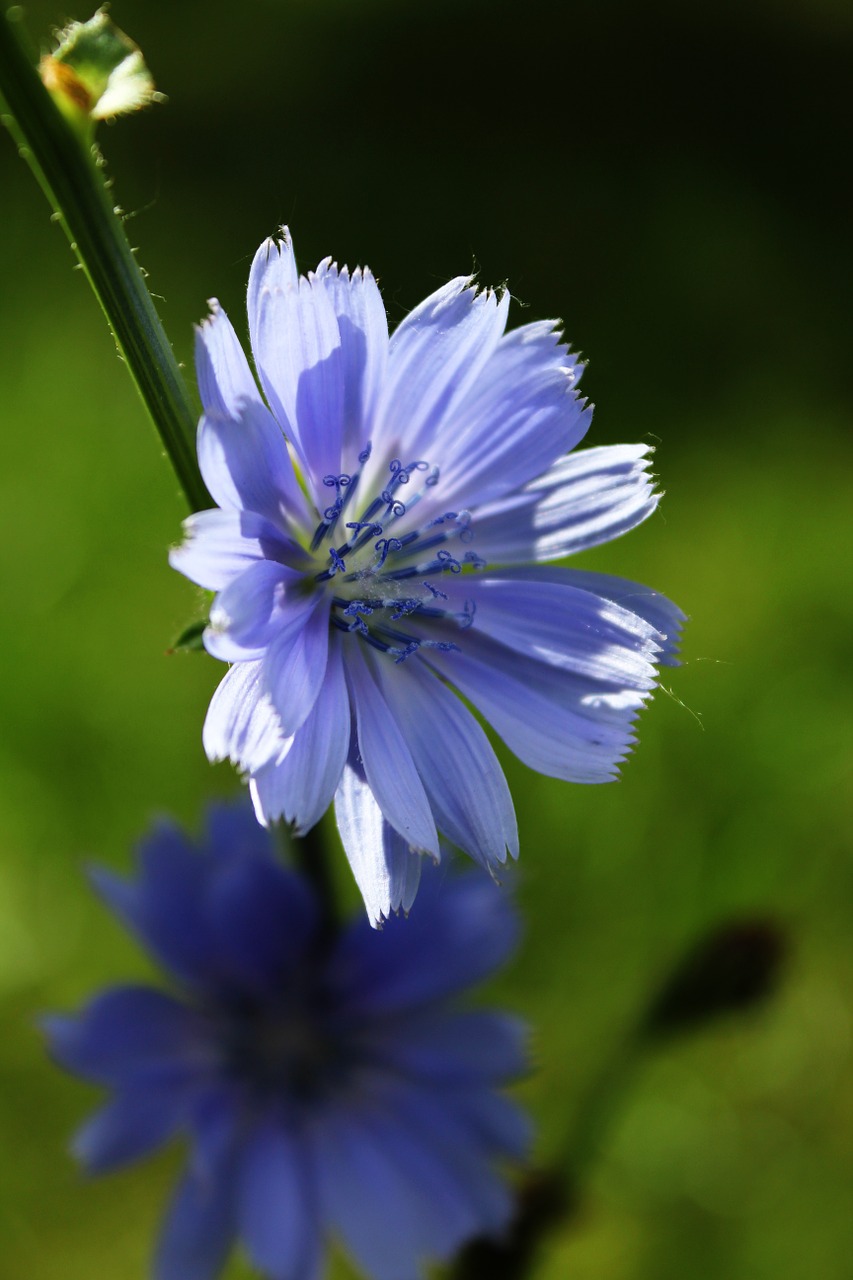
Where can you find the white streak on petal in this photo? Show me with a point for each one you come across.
(241, 724)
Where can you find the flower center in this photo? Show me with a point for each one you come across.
(386, 566)
(281, 1051)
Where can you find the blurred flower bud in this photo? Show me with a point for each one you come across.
(731, 969)
(96, 72)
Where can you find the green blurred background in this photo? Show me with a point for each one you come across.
(668, 179)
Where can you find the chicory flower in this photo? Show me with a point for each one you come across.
(329, 1088)
(387, 506)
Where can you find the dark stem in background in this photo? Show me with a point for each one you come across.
(548, 1198)
(731, 969)
(75, 187)
(310, 854)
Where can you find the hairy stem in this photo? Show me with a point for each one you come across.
(74, 185)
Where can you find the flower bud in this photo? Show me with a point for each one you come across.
(730, 970)
(96, 73)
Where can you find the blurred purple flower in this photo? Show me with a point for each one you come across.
(364, 509)
(327, 1087)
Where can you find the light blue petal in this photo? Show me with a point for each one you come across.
(464, 782)
(199, 1228)
(244, 462)
(164, 905)
(242, 724)
(273, 268)
(216, 1119)
(425, 1119)
(435, 355)
(225, 381)
(451, 1050)
(467, 926)
(559, 724)
(386, 870)
(388, 766)
(363, 329)
(297, 347)
(498, 1124)
(300, 786)
(522, 413)
(393, 1205)
(542, 614)
(130, 1030)
(219, 545)
(656, 609)
(276, 1212)
(250, 612)
(294, 665)
(407, 867)
(585, 499)
(261, 918)
(129, 1128)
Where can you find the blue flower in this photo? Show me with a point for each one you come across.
(378, 511)
(328, 1087)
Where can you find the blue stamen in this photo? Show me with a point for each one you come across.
(403, 607)
(402, 636)
(384, 545)
(337, 483)
(394, 507)
(358, 525)
(447, 562)
(371, 511)
(401, 474)
(366, 521)
(403, 654)
(427, 611)
(465, 619)
(412, 572)
(350, 490)
(372, 618)
(466, 533)
(378, 644)
(435, 541)
(319, 534)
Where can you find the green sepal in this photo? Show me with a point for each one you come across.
(191, 638)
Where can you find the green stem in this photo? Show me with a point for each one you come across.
(75, 187)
